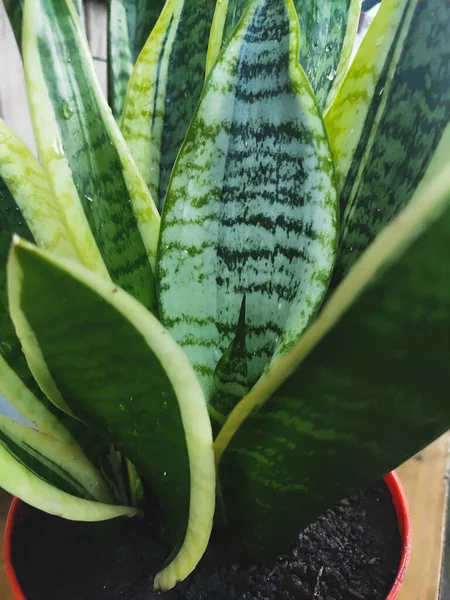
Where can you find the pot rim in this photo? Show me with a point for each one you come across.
(391, 480)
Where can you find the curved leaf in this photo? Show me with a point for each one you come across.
(130, 22)
(165, 88)
(362, 391)
(106, 204)
(53, 461)
(19, 481)
(389, 118)
(120, 371)
(251, 207)
(328, 32)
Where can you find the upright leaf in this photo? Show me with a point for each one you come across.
(130, 22)
(328, 31)
(251, 208)
(363, 390)
(165, 88)
(387, 124)
(110, 215)
(119, 370)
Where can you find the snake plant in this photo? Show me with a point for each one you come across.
(240, 288)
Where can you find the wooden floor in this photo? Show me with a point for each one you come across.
(425, 482)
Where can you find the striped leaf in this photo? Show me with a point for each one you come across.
(108, 211)
(389, 125)
(165, 88)
(251, 208)
(129, 25)
(363, 390)
(17, 479)
(119, 370)
(53, 461)
(328, 32)
(14, 10)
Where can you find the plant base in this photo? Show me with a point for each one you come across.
(351, 553)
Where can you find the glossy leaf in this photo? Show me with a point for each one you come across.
(18, 480)
(111, 217)
(119, 370)
(251, 209)
(165, 88)
(363, 390)
(53, 461)
(130, 22)
(387, 124)
(328, 32)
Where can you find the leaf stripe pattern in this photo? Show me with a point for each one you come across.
(358, 394)
(120, 371)
(105, 202)
(165, 88)
(255, 159)
(129, 25)
(389, 118)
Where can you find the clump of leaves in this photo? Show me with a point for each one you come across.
(293, 295)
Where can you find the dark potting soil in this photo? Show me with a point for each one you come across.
(350, 553)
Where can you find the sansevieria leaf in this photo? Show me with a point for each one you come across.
(363, 389)
(120, 371)
(165, 88)
(387, 125)
(108, 211)
(53, 461)
(251, 209)
(328, 31)
(129, 25)
(17, 479)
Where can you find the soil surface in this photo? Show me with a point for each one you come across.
(350, 553)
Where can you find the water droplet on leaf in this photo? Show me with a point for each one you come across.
(122, 407)
(328, 48)
(331, 75)
(67, 112)
(4, 137)
(88, 198)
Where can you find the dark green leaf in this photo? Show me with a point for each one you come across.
(363, 390)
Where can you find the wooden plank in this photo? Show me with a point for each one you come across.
(426, 484)
(96, 31)
(13, 99)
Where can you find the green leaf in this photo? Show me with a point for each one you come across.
(53, 461)
(165, 88)
(387, 124)
(120, 371)
(14, 10)
(108, 211)
(18, 480)
(328, 32)
(251, 209)
(362, 391)
(129, 25)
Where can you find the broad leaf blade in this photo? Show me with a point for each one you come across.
(108, 210)
(165, 88)
(19, 481)
(53, 461)
(388, 120)
(251, 209)
(129, 25)
(120, 371)
(328, 32)
(360, 393)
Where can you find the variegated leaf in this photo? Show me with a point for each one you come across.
(108, 211)
(251, 208)
(328, 31)
(389, 125)
(362, 391)
(165, 88)
(129, 25)
(121, 372)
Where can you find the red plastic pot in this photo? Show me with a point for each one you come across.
(398, 498)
